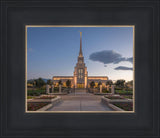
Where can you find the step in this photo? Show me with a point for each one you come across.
(80, 90)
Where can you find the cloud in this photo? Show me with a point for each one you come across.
(108, 56)
(130, 59)
(123, 68)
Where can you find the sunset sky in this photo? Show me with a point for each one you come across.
(53, 51)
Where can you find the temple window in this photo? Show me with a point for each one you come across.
(80, 73)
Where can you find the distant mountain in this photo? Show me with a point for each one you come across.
(45, 80)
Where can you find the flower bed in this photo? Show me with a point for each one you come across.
(36, 106)
(113, 97)
(124, 106)
(47, 97)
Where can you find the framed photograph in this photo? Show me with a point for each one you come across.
(82, 92)
(80, 69)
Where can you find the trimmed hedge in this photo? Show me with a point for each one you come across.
(105, 91)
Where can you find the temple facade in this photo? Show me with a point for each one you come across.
(80, 78)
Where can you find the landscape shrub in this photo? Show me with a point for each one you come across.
(118, 88)
(56, 89)
(105, 91)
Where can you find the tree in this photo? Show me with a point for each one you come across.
(68, 83)
(60, 82)
(40, 82)
(109, 82)
(92, 84)
(120, 83)
(99, 83)
(49, 82)
(30, 82)
(126, 86)
(129, 83)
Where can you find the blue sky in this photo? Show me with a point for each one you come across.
(53, 51)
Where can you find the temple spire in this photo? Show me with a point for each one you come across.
(80, 51)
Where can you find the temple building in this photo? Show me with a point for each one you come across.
(80, 78)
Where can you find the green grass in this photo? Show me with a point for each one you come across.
(123, 92)
(30, 97)
(128, 96)
(35, 92)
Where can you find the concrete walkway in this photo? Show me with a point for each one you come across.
(80, 101)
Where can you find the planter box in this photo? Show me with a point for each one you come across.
(110, 101)
(100, 93)
(52, 102)
(103, 99)
(63, 93)
(115, 107)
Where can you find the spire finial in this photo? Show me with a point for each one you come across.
(80, 52)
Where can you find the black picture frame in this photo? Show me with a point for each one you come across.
(144, 14)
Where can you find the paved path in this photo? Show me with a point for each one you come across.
(80, 101)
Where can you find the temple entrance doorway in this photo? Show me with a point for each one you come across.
(80, 85)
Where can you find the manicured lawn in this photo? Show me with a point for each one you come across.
(125, 106)
(124, 92)
(35, 92)
(35, 106)
(128, 96)
(30, 97)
